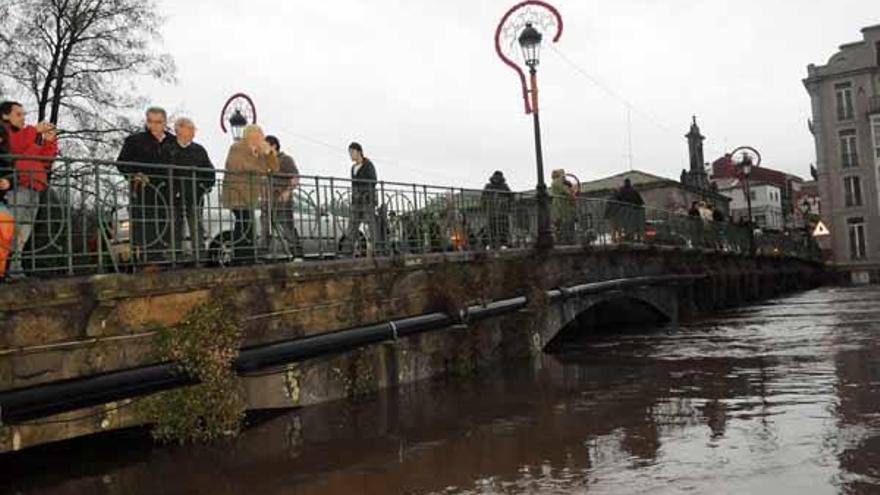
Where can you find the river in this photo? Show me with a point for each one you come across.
(781, 397)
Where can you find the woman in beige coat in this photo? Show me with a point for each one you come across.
(249, 162)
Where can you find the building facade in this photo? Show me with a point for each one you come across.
(845, 97)
(724, 171)
(767, 211)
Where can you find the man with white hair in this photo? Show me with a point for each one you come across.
(193, 175)
(248, 164)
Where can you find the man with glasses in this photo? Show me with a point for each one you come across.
(140, 160)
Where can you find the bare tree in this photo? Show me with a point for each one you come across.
(79, 62)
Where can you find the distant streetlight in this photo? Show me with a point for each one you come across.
(238, 112)
(746, 158)
(237, 123)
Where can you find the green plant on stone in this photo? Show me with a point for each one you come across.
(204, 346)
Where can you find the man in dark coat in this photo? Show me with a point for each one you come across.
(631, 212)
(141, 155)
(497, 202)
(363, 198)
(193, 178)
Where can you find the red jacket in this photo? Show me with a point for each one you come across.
(31, 173)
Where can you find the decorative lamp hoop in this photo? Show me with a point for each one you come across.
(241, 102)
(540, 14)
(738, 154)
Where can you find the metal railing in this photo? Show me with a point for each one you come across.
(93, 219)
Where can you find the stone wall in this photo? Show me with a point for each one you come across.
(52, 330)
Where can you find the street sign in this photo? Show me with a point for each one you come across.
(821, 230)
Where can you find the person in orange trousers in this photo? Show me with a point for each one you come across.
(7, 234)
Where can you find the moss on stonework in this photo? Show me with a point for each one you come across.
(204, 345)
(356, 376)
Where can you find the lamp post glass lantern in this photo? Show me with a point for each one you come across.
(237, 123)
(530, 42)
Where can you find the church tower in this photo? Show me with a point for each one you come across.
(696, 176)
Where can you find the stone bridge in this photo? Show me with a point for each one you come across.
(54, 333)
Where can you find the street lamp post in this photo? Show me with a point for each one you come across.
(530, 42)
(746, 158)
(746, 169)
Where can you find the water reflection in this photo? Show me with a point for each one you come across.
(781, 398)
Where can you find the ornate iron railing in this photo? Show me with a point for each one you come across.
(93, 219)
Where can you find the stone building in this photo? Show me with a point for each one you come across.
(668, 194)
(845, 97)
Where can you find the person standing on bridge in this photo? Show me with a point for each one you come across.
(7, 221)
(631, 208)
(363, 199)
(248, 164)
(497, 203)
(192, 181)
(282, 189)
(32, 176)
(140, 161)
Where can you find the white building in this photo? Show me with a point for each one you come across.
(767, 212)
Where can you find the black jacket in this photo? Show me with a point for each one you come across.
(141, 150)
(363, 184)
(495, 194)
(193, 156)
(6, 168)
(629, 195)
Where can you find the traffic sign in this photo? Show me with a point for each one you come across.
(821, 230)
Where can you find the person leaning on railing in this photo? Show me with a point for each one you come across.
(31, 175)
(564, 202)
(192, 181)
(248, 164)
(497, 202)
(140, 160)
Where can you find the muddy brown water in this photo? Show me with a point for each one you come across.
(777, 398)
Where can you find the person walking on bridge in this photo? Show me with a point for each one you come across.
(141, 161)
(363, 200)
(283, 190)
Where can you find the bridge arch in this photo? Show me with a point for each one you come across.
(613, 311)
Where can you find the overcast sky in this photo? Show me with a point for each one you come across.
(419, 85)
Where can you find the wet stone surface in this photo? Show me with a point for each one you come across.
(782, 397)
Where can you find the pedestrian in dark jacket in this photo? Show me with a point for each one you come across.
(363, 198)
(141, 160)
(630, 209)
(193, 177)
(497, 202)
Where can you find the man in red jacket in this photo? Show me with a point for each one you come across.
(31, 176)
